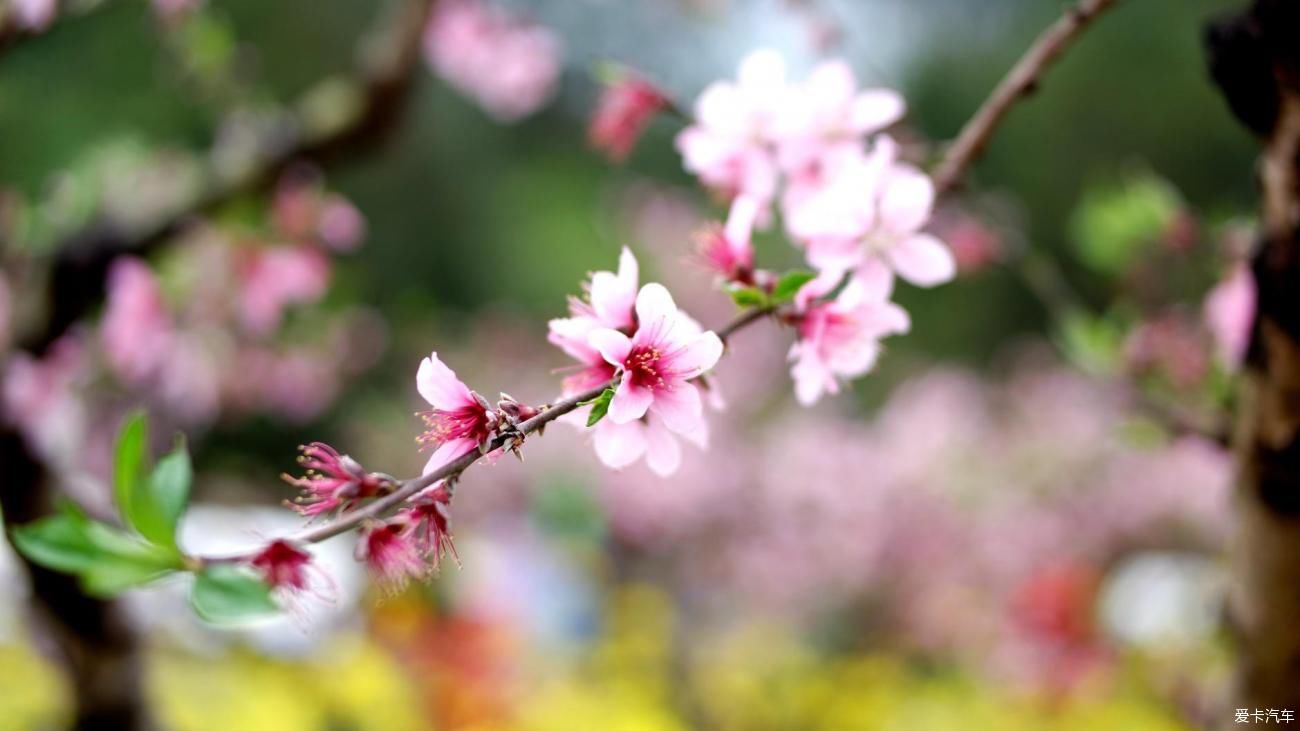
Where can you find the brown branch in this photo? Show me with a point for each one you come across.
(1020, 81)
(452, 470)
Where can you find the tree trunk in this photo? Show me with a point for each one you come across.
(89, 637)
(1255, 59)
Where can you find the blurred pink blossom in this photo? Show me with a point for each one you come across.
(41, 398)
(341, 225)
(34, 15)
(274, 278)
(1230, 313)
(508, 65)
(727, 250)
(136, 331)
(841, 338)
(625, 108)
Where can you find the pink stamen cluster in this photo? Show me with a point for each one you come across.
(333, 481)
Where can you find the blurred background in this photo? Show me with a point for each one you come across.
(1015, 522)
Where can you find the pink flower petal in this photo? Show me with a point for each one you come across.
(449, 452)
(680, 408)
(619, 445)
(876, 109)
(613, 345)
(698, 356)
(906, 200)
(663, 453)
(923, 260)
(439, 385)
(654, 306)
(629, 403)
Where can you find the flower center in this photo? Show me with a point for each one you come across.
(643, 367)
(444, 426)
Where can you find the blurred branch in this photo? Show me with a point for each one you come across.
(389, 61)
(1020, 81)
(451, 471)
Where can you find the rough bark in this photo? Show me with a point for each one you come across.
(1255, 59)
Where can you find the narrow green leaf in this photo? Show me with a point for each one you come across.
(600, 406)
(789, 284)
(226, 594)
(130, 463)
(58, 543)
(748, 297)
(157, 508)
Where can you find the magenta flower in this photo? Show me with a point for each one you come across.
(841, 338)
(283, 566)
(390, 551)
(610, 303)
(136, 331)
(333, 481)
(1230, 314)
(622, 114)
(460, 420)
(727, 250)
(658, 363)
(429, 516)
(277, 277)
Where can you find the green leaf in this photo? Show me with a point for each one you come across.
(790, 283)
(600, 406)
(107, 559)
(130, 462)
(748, 297)
(1119, 222)
(227, 594)
(158, 507)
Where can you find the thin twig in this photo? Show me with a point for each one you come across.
(1019, 82)
(411, 487)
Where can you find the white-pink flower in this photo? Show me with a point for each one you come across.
(136, 331)
(728, 250)
(844, 227)
(460, 420)
(826, 114)
(730, 145)
(1230, 313)
(610, 303)
(840, 338)
(658, 362)
(34, 15)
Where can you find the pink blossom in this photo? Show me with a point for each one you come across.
(390, 550)
(1230, 313)
(40, 397)
(460, 420)
(276, 278)
(340, 225)
(827, 114)
(34, 15)
(729, 146)
(610, 304)
(136, 331)
(625, 108)
(728, 251)
(333, 481)
(283, 566)
(509, 66)
(429, 516)
(841, 338)
(658, 362)
(885, 226)
(619, 445)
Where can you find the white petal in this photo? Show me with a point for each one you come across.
(697, 356)
(612, 345)
(876, 109)
(680, 408)
(629, 402)
(619, 445)
(923, 260)
(439, 385)
(906, 200)
(663, 453)
(654, 305)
